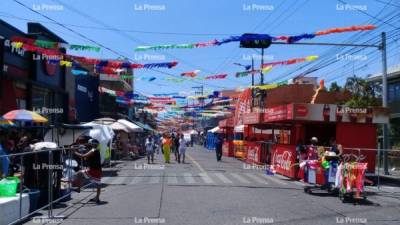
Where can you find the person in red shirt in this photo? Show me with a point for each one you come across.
(94, 172)
(312, 151)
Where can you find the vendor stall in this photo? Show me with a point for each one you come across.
(296, 124)
(258, 139)
(226, 127)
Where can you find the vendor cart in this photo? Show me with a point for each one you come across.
(327, 167)
(350, 179)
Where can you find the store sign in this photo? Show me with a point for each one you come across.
(243, 106)
(226, 123)
(283, 160)
(251, 118)
(339, 113)
(284, 112)
(253, 153)
(301, 110)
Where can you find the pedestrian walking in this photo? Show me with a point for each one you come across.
(166, 146)
(93, 173)
(176, 147)
(218, 147)
(149, 149)
(182, 148)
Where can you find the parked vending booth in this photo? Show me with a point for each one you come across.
(239, 149)
(226, 127)
(255, 139)
(295, 124)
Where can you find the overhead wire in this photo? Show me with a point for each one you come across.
(101, 45)
(324, 60)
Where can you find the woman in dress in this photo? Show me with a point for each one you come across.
(167, 147)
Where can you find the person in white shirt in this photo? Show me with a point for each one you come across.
(149, 149)
(182, 148)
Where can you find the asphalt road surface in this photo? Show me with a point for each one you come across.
(204, 191)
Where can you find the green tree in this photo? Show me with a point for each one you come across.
(335, 87)
(364, 93)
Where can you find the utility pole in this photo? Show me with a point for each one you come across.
(262, 62)
(199, 90)
(384, 104)
(252, 83)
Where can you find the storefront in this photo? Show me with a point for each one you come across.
(28, 80)
(295, 124)
(15, 65)
(48, 95)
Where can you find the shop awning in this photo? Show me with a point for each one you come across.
(144, 126)
(239, 129)
(132, 127)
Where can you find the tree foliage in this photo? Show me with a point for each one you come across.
(335, 87)
(364, 94)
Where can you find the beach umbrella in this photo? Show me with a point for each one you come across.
(24, 115)
(5, 123)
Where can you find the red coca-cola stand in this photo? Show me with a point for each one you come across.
(292, 124)
(226, 127)
(253, 144)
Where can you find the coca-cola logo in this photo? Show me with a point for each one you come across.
(252, 153)
(353, 157)
(283, 160)
(301, 110)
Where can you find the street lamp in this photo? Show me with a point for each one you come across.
(247, 67)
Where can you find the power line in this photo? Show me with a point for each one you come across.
(233, 54)
(372, 16)
(334, 50)
(99, 44)
(388, 3)
(127, 36)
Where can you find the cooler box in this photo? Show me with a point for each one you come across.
(9, 208)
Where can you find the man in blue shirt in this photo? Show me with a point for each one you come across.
(4, 161)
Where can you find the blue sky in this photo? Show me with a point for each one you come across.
(188, 21)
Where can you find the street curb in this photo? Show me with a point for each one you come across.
(385, 179)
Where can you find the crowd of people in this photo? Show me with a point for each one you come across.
(167, 143)
(13, 142)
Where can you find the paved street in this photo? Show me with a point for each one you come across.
(203, 191)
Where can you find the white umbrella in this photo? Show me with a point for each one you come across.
(119, 126)
(132, 127)
(105, 120)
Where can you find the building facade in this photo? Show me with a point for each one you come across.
(28, 80)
